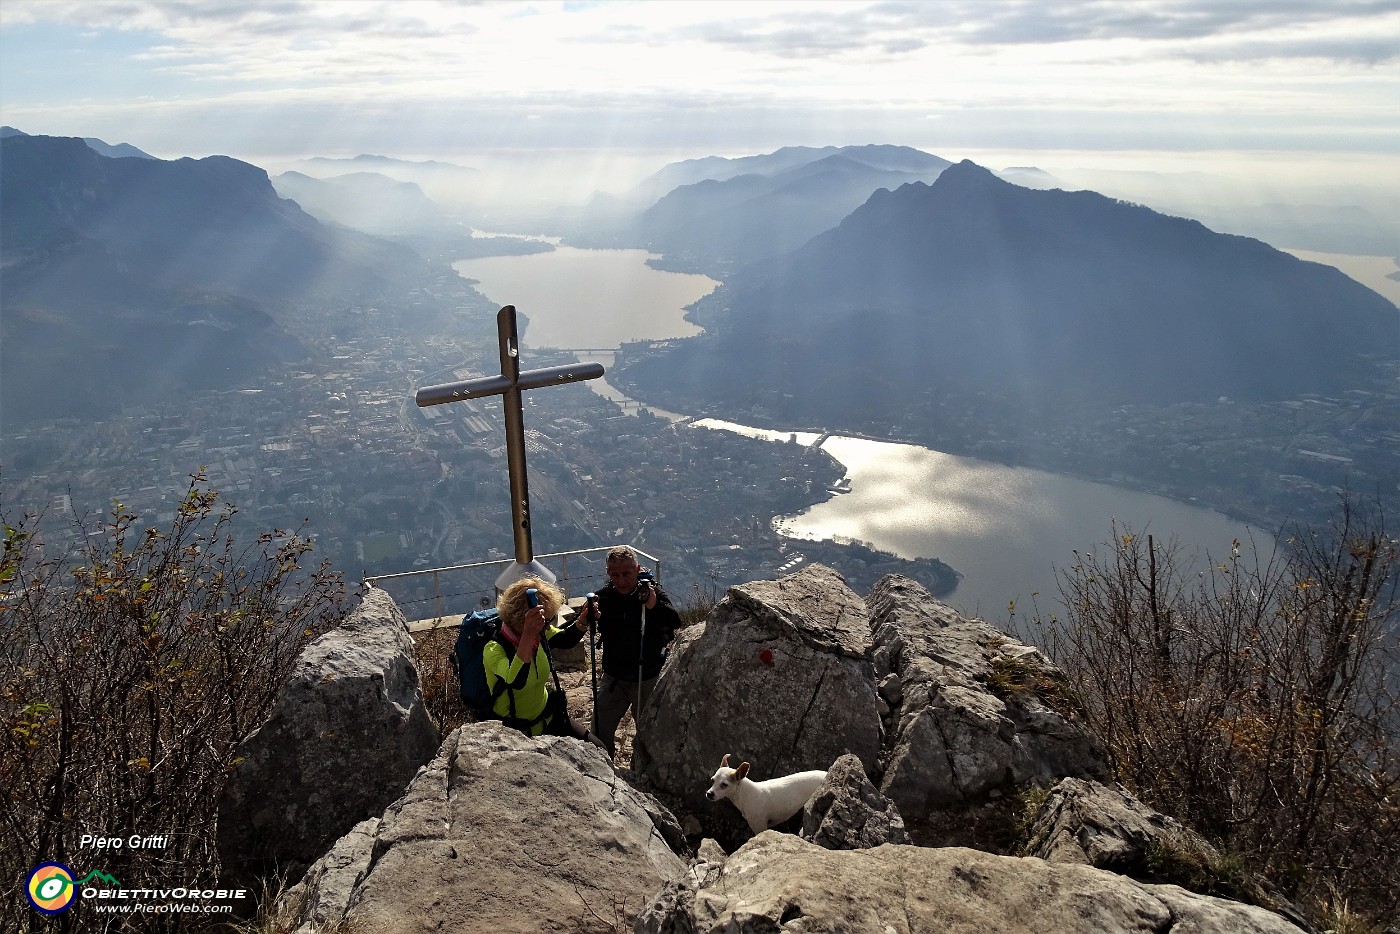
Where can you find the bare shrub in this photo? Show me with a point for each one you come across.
(1254, 699)
(702, 600)
(441, 691)
(130, 670)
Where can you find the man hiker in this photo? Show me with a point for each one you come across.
(636, 621)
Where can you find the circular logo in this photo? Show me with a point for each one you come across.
(51, 888)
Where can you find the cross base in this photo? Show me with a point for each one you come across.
(518, 569)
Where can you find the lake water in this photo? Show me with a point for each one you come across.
(1005, 529)
(1377, 273)
(589, 298)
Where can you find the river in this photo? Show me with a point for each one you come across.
(1005, 529)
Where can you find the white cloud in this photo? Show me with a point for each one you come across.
(1204, 73)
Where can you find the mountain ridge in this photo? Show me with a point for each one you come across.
(757, 214)
(135, 276)
(1045, 297)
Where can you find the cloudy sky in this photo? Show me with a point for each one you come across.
(1261, 82)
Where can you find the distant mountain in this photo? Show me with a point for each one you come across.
(117, 151)
(128, 277)
(974, 287)
(788, 197)
(366, 201)
(367, 162)
(1357, 214)
(456, 189)
(720, 168)
(1028, 176)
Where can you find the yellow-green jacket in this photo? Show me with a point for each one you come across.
(524, 700)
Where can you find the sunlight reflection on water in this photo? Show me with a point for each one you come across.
(1005, 529)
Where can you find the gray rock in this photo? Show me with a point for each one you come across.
(514, 835)
(671, 911)
(348, 733)
(973, 717)
(1093, 824)
(848, 813)
(777, 676)
(780, 882)
(1106, 827)
(319, 899)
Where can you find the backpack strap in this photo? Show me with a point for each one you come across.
(525, 726)
(552, 670)
(501, 686)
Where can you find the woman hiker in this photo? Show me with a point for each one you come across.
(518, 666)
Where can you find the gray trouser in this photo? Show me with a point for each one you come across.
(614, 697)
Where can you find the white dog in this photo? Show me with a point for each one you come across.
(763, 804)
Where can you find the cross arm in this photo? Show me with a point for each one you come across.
(499, 385)
(557, 375)
(466, 389)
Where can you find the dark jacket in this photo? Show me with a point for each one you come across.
(620, 626)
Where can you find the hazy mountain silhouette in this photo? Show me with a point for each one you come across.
(748, 217)
(445, 182)
(129, 277)
(365, 201)
(974, 285)
(111, 150)
(368, 162)
(720, 168)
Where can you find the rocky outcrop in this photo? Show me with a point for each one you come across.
(1097, 825)
(970, 712)
(780, 882)
(1103, 826)
(347, 735)
(500, 833)
(507, 833)
(848, 813)
(777, 676)
(318, 902)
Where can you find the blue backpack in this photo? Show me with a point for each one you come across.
(477, 629)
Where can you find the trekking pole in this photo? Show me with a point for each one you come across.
(637, 711)
(532, 596)
(644, 580)
(593, 649)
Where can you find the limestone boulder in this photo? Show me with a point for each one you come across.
(1104, 826)
(319, 900)
(975, 711)
(777, 676)
(848, 812)
(1094, 824)
(780, 882)
(505, 833)
(347, 735)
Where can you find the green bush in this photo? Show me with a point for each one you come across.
(130, 670)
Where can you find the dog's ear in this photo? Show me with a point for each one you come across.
(724, 763)
(742, 770)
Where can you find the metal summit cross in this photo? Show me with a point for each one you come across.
(509, 386)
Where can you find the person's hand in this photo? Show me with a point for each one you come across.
(533, 623)
(650, 602)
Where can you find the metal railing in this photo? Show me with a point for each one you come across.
(477, 581)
